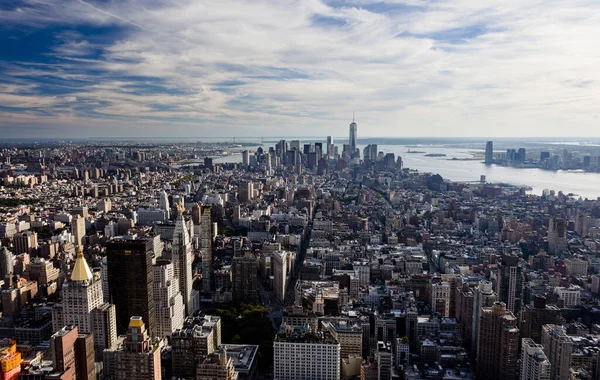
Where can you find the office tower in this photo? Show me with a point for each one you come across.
(440, 298)
(319, 150)
(465, 300)
(217, 366)
(246, 190)
(582, 223)
(295, 145)
(245, 158)
(78, 230)
(489, 152)
(557, 235)
(521, 155)
(534, 364)
(130, 281)
(104, 326)
(26, 242)
(163, 201)
(7, 263)
(329, 146)
(537, 315)
(483, 296)
(349, 334)
(497, 343)
(384, 361)
(200, 336)
(206, 239)
(510, 283)
(353, 135)
(245, 279)
(300, 353)
(167, 299)
(182, 259)
(557, 347)
(73, 354)
(281, 150)
(138, 358)
(81, 297)
(279, 262)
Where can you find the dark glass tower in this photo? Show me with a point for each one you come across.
(130, 281)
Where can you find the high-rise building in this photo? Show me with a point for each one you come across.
(348, 334)
(245, 279)
(182, 259)
(353, 135)
(510, 283)
(440, 298)
(199, 337)
(245, 191)
(300, 353)
(465, 299)
(329, 146)
(78, 229)
(217, 366)
(557, 235)
(534, 364)
(483, 296)
(104, 326)
(281, 270)
(497, 343)
(558, 349)
(489, 152)
(206, 239)
(167, 299)
(73, 354)
(82, 297)
(25, 242)
(535, 316)
(7, 263)
(245, 158)
(130, 281)
(138, 358)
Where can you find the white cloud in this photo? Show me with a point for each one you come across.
(409, 68)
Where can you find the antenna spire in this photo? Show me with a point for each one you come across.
(353, 116)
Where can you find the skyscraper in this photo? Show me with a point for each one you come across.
(245, 279)
(130, 281)
(78, 230)
(139, 358)
(182, 259)
(73, 354)
(483, 296)
(353, 132)
(497, 343)
(510, 283)
(536, 316)
(167, 299)
(557, 347)
(206, 239)
(329, 146)
(534, 363)
(82, 297)
(489, 152)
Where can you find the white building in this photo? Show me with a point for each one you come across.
(571, 296)
(168, 302)
(81, 295)
(78, 230)
(534, 363)
(440, 298)
(576, 267)
(300, 353)
(182, 258)
(281, 270)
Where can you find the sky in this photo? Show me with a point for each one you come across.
(194, 68)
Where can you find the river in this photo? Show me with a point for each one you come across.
(586, 185)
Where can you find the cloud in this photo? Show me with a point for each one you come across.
(416, 67)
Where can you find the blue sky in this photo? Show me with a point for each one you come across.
(133, 68)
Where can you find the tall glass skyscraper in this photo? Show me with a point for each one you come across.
(353, 131)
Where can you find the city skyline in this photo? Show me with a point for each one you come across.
(410, 68)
